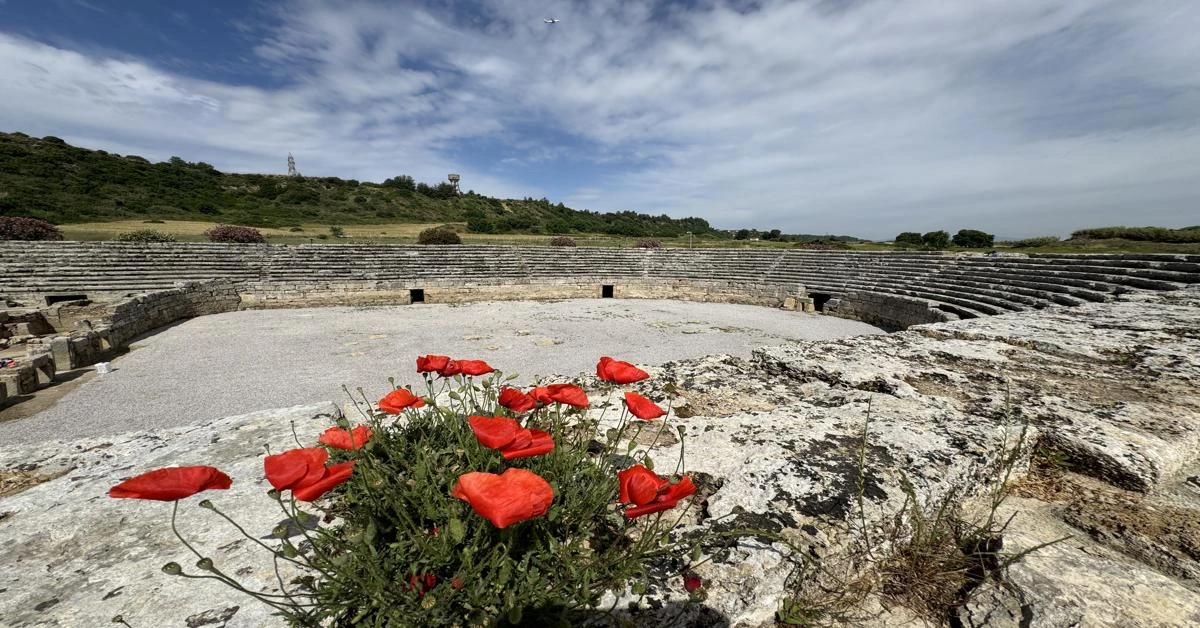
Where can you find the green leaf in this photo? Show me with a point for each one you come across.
(639, 587)
(696, 553)
(649, 462)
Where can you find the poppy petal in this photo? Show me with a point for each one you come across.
(513, 496)
(331, 477)
(539, 443)
(619, 372)
(568, 394)
(494, 432)
(295, 466)
(639, 485)
(515, 400)
(474, 367)
(339, 438)
(171, 483)
(396, 401)
(642, 407)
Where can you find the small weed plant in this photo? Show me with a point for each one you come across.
(927, 557)
(469, 503)
(145, 236)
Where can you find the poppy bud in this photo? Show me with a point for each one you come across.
(172, 569)
(205, 563)
(207, 504)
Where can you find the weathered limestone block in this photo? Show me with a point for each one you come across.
(71, 556)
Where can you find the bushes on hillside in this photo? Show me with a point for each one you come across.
(648, 243)
(1030, 243)
(145, 236)
(562, 241)
(1142, 234)
(439, 235)
(234, 233)
(909, 238)
(24, 228)
(973, 239)
(936, 240)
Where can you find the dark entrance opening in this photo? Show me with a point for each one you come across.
(416, 295)
(953, 310)
(51, 299)
(606, 291)
(819, 300)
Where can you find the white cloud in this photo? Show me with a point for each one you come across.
(1019, 117)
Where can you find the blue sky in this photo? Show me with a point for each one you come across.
(864, 117)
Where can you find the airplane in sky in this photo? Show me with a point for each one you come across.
(550, 20)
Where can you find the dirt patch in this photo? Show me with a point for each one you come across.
(933, 387)
(1159, 534)
(13, 482)
(44, 398)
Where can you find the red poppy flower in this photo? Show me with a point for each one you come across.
(494, 432)
(396, 401)
(569, 394)
(295, 467)
(511, 497)
(474, 367)
(304, 472)
(333, 476)
(635, 486)
(506, 435)
(642, 407)
(541, 394)
(539, 443)
(171, 483)
(691, 581)
(431, 363)
(639, 485)
(619, 372)
(339, 438)
(516, 400)
(457, 583)
(450, 370)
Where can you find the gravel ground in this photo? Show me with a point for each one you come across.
(240, 362)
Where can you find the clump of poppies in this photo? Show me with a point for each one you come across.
(486, 502)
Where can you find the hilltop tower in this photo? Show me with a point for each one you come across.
(292, 172)
(453, 178)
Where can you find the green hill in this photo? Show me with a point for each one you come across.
(50, 179)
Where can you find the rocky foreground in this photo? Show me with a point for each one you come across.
(1103, 401)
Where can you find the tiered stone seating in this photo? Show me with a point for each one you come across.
(120, 267)
(970, 285)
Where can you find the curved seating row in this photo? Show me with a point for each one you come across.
(969, 284)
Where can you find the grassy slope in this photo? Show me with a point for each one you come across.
(50, 179)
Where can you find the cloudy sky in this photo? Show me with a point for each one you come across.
(864, 117)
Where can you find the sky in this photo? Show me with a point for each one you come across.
(859, 117)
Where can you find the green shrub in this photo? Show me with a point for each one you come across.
(909, 238)
(233, 233)
(29, 229)
(144, 236)
(936, 240)
(562, 240)
(337, 232)
(973, 239)
(1142, 234)
(1031, 243)
(648, 243)
(439, 235)
(296, 229)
